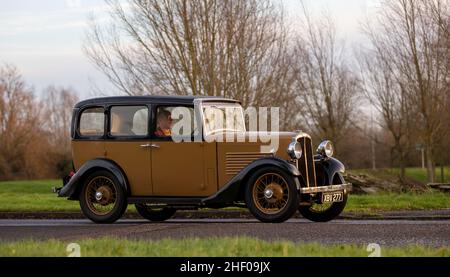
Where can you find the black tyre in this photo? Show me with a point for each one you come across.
(155, 214)
(271, 195)
(324, 212)
(102, 198)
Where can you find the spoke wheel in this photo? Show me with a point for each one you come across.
(271, 195)
(102, 198)
(326, 211)
(101, 195)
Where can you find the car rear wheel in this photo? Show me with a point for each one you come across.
(271, 195)
(102, 198)
(154, 214)
(323, 212)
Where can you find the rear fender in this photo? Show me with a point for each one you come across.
(73, 186)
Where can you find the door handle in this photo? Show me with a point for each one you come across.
(150, 145)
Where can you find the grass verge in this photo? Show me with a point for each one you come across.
(210, 247)
(430, 200)
(33, 196)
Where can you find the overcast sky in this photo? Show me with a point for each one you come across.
(44, 38)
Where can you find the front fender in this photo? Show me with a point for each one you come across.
(73, 186)
(231, 191)
(332, 166)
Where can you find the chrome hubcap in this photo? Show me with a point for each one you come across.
(268, 193)
(98, 196)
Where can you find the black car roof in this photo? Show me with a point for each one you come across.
(150, 99)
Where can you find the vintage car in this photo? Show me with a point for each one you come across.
(123, 154)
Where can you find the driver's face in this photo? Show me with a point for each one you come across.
(165, 122)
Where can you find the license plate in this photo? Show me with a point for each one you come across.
(331, 197)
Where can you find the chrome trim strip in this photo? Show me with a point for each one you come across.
(313, 165)
(331, 188)
(306, 162)
(301, 135)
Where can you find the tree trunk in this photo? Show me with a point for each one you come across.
(402, 166)
(430, 164)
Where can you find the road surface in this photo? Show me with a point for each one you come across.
(384, 232)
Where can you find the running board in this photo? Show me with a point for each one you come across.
(166, 200)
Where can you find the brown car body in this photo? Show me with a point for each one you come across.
(188, 175)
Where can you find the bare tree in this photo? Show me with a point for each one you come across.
(195, 47)
(389, 97)
(57, 115)
(56, 118)
(328, 90)
(34, 134)
(19, 119)
(412, 36)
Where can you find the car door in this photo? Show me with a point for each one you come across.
(181, 169)
(128, 145)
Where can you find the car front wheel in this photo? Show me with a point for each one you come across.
(323, 212)
(102, 198)
(154, 214)
(271, 195)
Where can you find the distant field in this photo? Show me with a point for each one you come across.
(208, 247)
(36, 196)
(415, 173)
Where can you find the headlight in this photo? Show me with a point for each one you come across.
(325, 148)
(294, 150)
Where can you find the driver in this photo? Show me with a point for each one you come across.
(163, 124)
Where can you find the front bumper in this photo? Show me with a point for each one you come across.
(332, 188)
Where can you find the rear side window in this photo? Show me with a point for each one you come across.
(129, 121)
(92, 122)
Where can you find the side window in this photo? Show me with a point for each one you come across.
(174, 121)
(129, 121)
(92, 122)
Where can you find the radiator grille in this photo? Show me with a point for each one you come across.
(306, 162)
(236, 161)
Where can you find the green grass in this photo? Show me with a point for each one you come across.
(421, 174)
(207, 247)
(33, 196)
(36, 196)
(429, 200)
(415, 173)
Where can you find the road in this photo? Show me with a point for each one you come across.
(384, 232)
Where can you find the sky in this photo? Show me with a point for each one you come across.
(44, 38)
